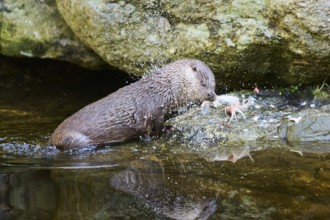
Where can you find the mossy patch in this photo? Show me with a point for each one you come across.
(322, 92)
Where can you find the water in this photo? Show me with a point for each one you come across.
(140, 179)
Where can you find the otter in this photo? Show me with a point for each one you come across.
(138, 108)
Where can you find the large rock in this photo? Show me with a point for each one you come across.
(308, 125)
(269, 117)
(31, 28)
(245, 42)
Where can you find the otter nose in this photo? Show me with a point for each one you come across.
(211, 96)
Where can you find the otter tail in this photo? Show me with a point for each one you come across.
(69, 139)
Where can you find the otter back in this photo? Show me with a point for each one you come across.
(138, 108)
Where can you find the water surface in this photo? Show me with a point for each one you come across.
(140, 179)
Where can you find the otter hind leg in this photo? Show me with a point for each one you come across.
(70, 139)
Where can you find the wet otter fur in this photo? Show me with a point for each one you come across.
(138, 108)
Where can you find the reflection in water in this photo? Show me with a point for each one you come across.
(158, 185)
(27, 195)
(159, 180)
(165, 194)
(232, 154)
(4, 189)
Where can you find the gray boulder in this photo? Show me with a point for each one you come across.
(31, 28)
(271, 42)
(307, 125)
(245, 42)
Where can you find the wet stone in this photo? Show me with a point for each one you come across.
(309, 125)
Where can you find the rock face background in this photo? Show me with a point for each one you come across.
(33, 28)
(281, 42)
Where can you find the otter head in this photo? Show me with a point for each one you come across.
(203, 82)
